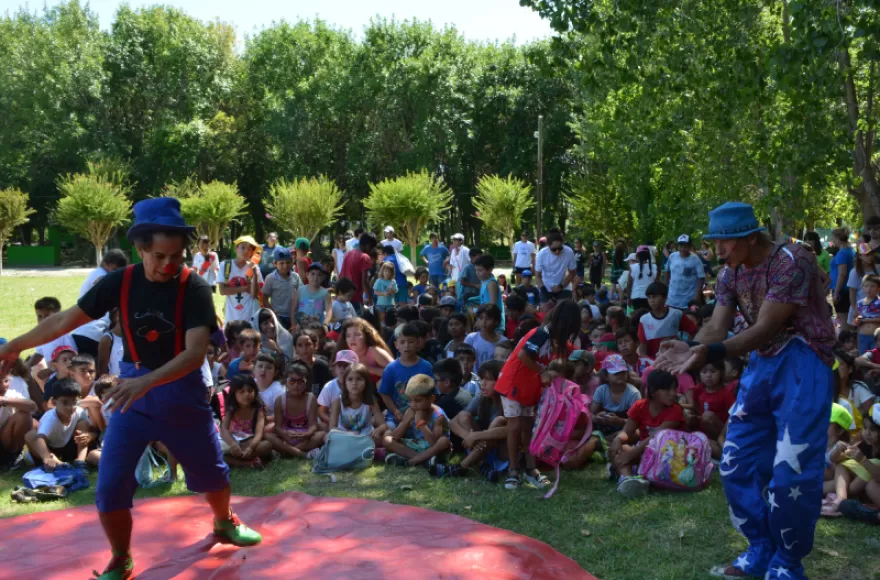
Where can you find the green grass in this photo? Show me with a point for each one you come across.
(663, 536)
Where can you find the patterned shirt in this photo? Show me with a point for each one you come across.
(869, 309)
(789, 275)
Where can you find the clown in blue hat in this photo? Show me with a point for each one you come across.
(773, 458)
(167, 317)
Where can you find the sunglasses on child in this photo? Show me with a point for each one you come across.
(292, 381)
(556, 250)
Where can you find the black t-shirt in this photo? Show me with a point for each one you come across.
(151, 310)
(433, 351)
(454, 403)
(321, 375)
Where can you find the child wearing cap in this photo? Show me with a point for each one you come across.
(44, 354)
(281, 288)
(240, 281)
(313, 300)
(531, 293)
(662, 323)
(836, 481)
(613, 399)
(301, 247)
(684, 274)
(423, 431)
(332, 391)
(61, 361)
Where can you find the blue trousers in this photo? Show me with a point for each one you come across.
(178, 415)
(774, 457)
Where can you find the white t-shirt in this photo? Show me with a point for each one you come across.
(554, 267)
(458, 259)
(48, 349)
(485, 349)
(339, 255)
(351, 244)
(96, 328)
(211, 270)
(57, 434)
(395, 243)
(241, 306)
(329, 393)
(270, 395)
(522, 252)
(7, 412)
(18, 385)
(116, 350)
(649, 274)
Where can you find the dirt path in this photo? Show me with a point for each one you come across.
(52, 272)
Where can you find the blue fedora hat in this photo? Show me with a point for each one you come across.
(732, 220)
(159, 214)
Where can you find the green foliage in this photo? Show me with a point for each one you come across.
(501, 203)
(14, 212)
(304, 207)
(210, 207)
(410, 203)
(91, 207)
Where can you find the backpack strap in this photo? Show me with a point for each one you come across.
(123, 311)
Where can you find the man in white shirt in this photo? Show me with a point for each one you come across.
(352, 242)
(89, 335)
(523, 256)
(390, 240)
(555, 268)
(459, 256)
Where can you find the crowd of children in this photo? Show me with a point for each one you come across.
(445, 366)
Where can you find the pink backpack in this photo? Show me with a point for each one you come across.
(677, 460)
(562, 405)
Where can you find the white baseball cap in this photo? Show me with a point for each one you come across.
(389, 230)
(458, 237)
(631, 258)
(684, 239)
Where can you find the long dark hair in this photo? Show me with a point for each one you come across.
(645, 256)
(241, 382)
(619, 255)
(369, 386)
(563, 323)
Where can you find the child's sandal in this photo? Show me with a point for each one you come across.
(512, 482)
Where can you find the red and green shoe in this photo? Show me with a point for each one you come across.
(120, 567)
(236, 533)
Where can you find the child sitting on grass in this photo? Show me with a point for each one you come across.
(296, 416)
(645, 418)
(486, 337)
(356, 410)
(64, 434)
(708, 405)
(467, 357)
(60, 369)
(836, 484)
(82, 369)
(332, 390)
(243, 428)
(483, 428)
(249, 342)
(453, 399)
(585, 376)
(423, 432)
(396, 377)
(613, 400)
(232, 332)
(629, 348)
(662, 322)
(862, 465)
(16, 419)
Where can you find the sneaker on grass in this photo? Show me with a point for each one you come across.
(632, 487)
(395, 459)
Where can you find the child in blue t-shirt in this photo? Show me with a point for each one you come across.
(422, 286)
(392, 388)
(385, 289)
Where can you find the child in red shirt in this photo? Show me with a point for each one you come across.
(709, 404)
(647, 416)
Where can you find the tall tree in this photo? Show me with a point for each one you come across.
(14, 212)
(92, 207)
(304, 207)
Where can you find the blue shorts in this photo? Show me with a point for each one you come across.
(866, 343)
(437, 280)
(176, 414)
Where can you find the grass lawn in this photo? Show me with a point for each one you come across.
(665, 535)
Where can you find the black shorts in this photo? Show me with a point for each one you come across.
(521, 270)
(639, 303)
(842, 306)
(66, 454)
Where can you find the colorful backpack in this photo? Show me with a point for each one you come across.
(562, 406)
(677, 460)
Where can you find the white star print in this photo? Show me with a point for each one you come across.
(782, 535)
(787, 452)
(795, 493)
(726, 458)
(780, 571)
(737, 522)
(741, 563)
(738, 411)
(771, 499)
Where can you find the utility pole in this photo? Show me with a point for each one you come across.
(540, 135)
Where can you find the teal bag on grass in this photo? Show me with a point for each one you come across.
(344, 451)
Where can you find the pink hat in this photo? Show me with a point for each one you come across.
(614, 364)
(347, 356)
(864, 249)
(643, 248)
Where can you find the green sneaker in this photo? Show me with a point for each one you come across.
(119, 568)
(236, 533)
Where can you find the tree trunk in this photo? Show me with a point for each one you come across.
(861, 162)
(99, 251)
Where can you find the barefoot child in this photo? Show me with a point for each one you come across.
(423, 432)
(645, 418)
(242, 429)
(356, 410)
(296, 416)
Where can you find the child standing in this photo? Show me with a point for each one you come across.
(485, 339)
(64, 434)
(393, 387)
(385, 289)
(661, 323)
(313, 299)
(646, 417)
(521, 382)
(868, 319)
(531, 293)
(249, 342)
(422, 286)
(206, 263)
(490, 291)
(240, 280)
(709, 403)
(356, 410)
(281, 288)
(423, 431)
(296, 416)
(243, 427)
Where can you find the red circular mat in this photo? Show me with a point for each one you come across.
(303, 537)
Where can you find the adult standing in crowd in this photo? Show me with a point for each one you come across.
(167, 316)
(523, 256)
(434, 255)
(842, 264)
(89, 335)
(353, 239)
(774, 454)
(267, 260)
(390, 240)
(598, 263)
(356, 267)
(684, 275)
(555, 268)
(459, 257)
